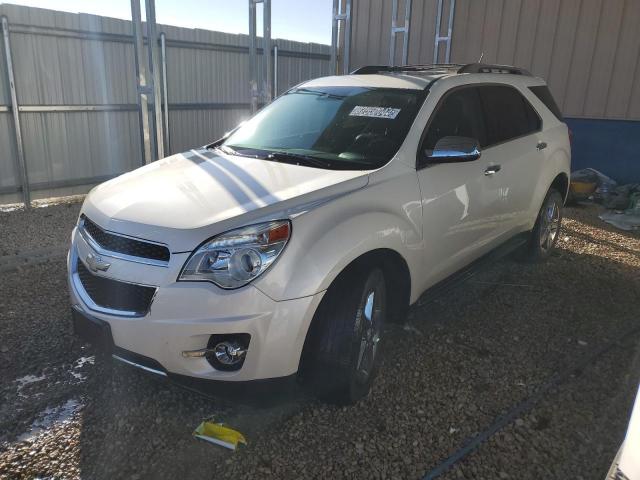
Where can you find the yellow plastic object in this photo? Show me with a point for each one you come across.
(583, 188)
(218, 434)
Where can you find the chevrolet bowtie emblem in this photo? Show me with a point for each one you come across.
(95, 263)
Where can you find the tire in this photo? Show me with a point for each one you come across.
(547, 228)
(341, 353)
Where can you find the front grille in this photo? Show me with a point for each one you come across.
(115, 295)
(120, 244)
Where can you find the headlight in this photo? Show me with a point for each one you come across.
(234, 258)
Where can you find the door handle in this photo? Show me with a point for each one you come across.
(491, 169)
(541, 145)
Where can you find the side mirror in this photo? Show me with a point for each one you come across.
(454, 149)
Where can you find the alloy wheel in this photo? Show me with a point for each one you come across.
(370, 312)
(550, 225)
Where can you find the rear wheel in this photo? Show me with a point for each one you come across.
(547, 228)
(342, 349)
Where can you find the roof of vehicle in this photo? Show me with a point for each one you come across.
(414, 77)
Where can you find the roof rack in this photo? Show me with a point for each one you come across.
(372, 69)
(456, 67)
(488, 68)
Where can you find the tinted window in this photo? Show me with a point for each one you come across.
(507, 114)
(543, 93)
(459, 115)
(348, 127)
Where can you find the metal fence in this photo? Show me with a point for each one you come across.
(77, 104)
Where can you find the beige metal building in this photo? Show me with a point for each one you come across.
(587, 50)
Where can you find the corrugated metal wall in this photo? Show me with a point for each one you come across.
(587, 50)
(68, 59)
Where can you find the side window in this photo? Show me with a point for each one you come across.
(459, 115)
(507, 113)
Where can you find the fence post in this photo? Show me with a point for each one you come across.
(253, 73)
(15, 110)
(346, 28)
(275, 71)
(267, 93)
(141, 79)
(154, 73)
(165, 94)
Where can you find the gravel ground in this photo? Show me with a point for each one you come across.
(459, 363)
(39, 229)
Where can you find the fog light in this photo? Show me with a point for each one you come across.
(227, 352)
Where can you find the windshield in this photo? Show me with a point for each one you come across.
(355, 128)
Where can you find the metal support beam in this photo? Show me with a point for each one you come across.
(395, 29)
(275, 71)
(154, 73)
(121, 107)
(265, 93)
(165, 94)
(141, 76)
(267, 66)
(253, 71)
(171, 42)
(336, 30)
(21, 163)
(438, 38)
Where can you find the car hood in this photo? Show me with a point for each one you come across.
(201, 189)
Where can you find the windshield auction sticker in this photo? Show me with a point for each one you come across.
(375, 112)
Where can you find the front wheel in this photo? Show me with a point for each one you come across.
(343, 345)
(547, 228)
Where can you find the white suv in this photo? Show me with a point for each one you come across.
(284, 247)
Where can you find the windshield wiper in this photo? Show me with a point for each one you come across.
(231, 151)
(279, 156)
(298, 158)
(225, 149)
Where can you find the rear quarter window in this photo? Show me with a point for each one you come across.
(544, 95)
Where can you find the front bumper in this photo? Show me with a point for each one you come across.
(183, 315)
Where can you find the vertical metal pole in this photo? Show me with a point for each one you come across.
(141, 75)
(154, 73)
(395, 29)
(437, 38)
(266, 52)
(405, 39)
(253, 82)
(347, 38)
(22, 166)
(394, 26)
(452, 8)
(336, 29)
(275, 71)
(165, 95)
(334, 37)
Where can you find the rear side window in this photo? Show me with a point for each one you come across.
(543, 93)
(508, 114)
(458, 115)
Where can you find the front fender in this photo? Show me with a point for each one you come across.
(385, 214)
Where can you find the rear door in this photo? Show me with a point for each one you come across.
(514, 143)
(459, 200)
